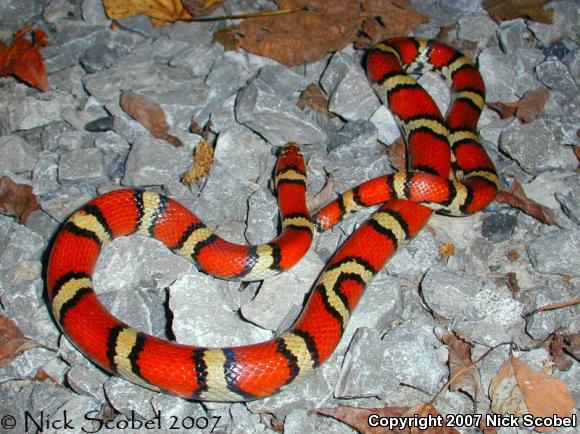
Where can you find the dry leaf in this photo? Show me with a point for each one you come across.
(516, 197)
(517, 389)
(462, 369)
(512, 283)
(149, 114)
(23, 59)
(12, 341)
(557, 344)
(397, 152)
(319, 28)
(315, 98)
(446, 250)
(201, 7)
(325, 195)
(532, 104)
(358, 418)
(17, 199)
(504, 109)
(526, 109)
(161, 10)
(513, 255)
(202, 162)
(505, 10)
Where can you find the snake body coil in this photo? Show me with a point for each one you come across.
(437, 147)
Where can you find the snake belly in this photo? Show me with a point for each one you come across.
(449, 172)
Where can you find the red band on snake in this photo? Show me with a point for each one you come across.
(437, 147)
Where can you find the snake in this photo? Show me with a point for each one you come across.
(448, 171)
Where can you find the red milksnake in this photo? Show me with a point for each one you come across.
(449, 173)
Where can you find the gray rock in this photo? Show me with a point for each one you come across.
(441, 15)
(115, 150)
(356, 138)
(58, 11)
(534, 147)
(274, 118)
(81, 164)
(38, 110)
(94, 13)
(16, 155)
(350, 94)
(126, 397)
(478, 308)
(140, 24)
(41, 223)
(87, 381)
(540, 325)
(15, 12)
(498, 227)
(437, 89)
(68, 45)
(476, 27)
(61, 203)
(197, 58)
(498, 75)
(564, 128)
(388, 130)
(45, 173)
(195, 318)
(20, 254)
(564, 20)
(182, 31)
(556, 252)
(570, 201)
(241, 152)
(265, 313)
(262, 217)
(156, 162)
(416, 258)
(405, 355)
(554, 74)
(514, 34)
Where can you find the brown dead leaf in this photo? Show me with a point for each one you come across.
(513, 255)
(557, 345)
(202, 162)
(397, 152)
(321, 27)
(149, 114)
(532, 104)
(315, 98)
(198, 8)
(516, 197)
(12, 341)
(505, 10)
(446, 250)
(512, 283)
(358, 418)
(462, 369)
(504, 109)
(42, 375)
(23, 59)
(526, 109)
(17, 199)
(325, 195)
(161, 10)
(518, 389)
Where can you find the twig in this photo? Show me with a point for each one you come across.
(556, 306)
(262, 14)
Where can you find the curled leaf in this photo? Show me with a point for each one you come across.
(161, 10)
(314, 97)
(461, 366)
(23, 59)
(516, 197)
(505, 10)
(517, 389)
(17, 200)
(150, 115)
(12, 341)
(317, 28)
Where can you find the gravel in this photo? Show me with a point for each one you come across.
(75, 142)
